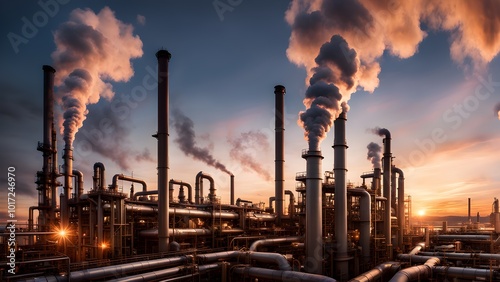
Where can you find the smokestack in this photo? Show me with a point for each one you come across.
(279, 128)
(163, 57)
(314, 217)
(340, 202)
(232, 189)
(46, 197)
(68, 174)
(387, 166)
(376, 181)
(401, 204)
(468, 213)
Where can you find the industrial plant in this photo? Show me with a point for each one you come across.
(330, 231)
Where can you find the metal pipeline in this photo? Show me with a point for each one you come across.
(275, 241)
(68, 169)
(182, 184)
(463, 237)
(279, 147)
(417, 248)
(198, 196)
(340, 201)
(260, 216)
(314, 216)
(79, 184)
(485, 256)
(163, 57)
(365, 221)
(467, 273)
(117, 177)
(177, 232)
(420, 272)
(274, 258)
(386, 269)
(101, 273)
(401, 204)
(193, 213)
(280, 275)
(271, 200)
(170, 272)
(139, 195)
(231, 189)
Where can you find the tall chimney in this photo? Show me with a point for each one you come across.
(314, 217)
(340, 201)
(46, 198)
(279, 128)
(401, 205)
(163, 57)
(68, 181)
(232, 189)
(387, 165)
(468, 213)
(376, 181)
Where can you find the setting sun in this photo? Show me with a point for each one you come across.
(421, 212)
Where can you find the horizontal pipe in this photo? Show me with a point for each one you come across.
(177, 232)
(116, 177)
(462, 255)
(184, 184)
(275, 241)
(463, 237)
(418, 272)
(281, 275)
(275, 258)
(100, 273)
(377, 272)
(467, 273)
(184, 212)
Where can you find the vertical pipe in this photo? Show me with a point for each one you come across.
(376, 181)
(393, 188)
(314, 217)
(55, 173)
(387, 191)
(365, 222)
(47, 198)
(232, 189)
(468, 213)
(68, 170)
(100, 227)
(401, 205)
(279, 128)
(163, 57)
(340, 201)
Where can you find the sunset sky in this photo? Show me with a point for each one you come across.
(429, 73)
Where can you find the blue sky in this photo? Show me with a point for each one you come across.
(222, 75)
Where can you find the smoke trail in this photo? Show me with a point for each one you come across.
(246, 143)
(336, 67)
(373, 154)
(89, 48)
(382, 132)
(187, 143)
(497, 110)
(374, 27)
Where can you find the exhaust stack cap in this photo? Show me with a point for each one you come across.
(163, 53)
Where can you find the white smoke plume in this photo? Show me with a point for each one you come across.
(373, 154)
(246, 147)
(91, 50)
(186, 139)
(497, 110)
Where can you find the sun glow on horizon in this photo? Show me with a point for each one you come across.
(421, 212)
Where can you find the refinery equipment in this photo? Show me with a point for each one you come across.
(332, 231)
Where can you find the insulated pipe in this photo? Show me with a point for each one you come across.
(101, 273)
(314, 217)
(275, 258)
(231, 189)
(417, 248)
(377, 272)
(463, 237)
(79, 183)
(418, 272)
(280, 275)
(275, 241)
(365, 221)
(387, 165)
(401, 204)
(169, 272)
(99, 176)
(117, 177)
(279, 128)
(183, 184)
(340, 201)
(177, 232)
(485, 256)
(163, 57)
(193, 213)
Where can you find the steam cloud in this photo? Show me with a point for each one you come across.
(248, 142)
(497, 110)
(90, 48)
(373, 154)
(186, 139)
(374, 27)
